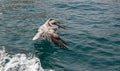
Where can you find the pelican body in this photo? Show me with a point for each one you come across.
(49, 31)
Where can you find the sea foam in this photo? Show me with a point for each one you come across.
(18, 62)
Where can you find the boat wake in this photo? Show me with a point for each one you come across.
(18, 62)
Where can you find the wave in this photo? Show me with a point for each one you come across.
(18, 62)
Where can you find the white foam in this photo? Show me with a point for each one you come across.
(18, 62)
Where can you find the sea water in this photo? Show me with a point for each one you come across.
(93, 35)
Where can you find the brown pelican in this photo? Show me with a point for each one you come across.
(49, 32)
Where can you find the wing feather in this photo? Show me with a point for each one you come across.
(38, 35)
(55, 39)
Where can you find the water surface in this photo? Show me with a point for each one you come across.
(93, 32)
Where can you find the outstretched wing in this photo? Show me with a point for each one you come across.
(55, 39)
(38, 34)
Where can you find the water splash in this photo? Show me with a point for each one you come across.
(18, 62)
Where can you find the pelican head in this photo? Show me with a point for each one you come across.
(53, 23)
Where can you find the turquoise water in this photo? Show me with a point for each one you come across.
(93, 32)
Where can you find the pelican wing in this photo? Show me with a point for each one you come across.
(55, 39)
(38, 34)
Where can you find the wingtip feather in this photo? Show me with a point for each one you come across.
(36, 36)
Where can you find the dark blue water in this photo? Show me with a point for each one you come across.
(93, 32)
